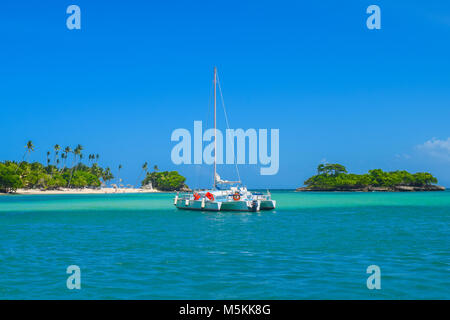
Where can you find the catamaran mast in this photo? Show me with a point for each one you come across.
(215, 133)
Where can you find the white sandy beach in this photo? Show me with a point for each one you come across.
(86, 191)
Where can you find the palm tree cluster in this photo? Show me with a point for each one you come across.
(65, 168)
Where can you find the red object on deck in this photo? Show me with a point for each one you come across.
(210, 196)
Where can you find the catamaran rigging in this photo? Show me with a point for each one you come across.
(225, 195)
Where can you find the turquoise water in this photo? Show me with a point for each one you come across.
(314, 246)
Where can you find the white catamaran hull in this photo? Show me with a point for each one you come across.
(225, 206)
(268, 204)
(198, 205)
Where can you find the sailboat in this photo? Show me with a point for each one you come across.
(225, 195)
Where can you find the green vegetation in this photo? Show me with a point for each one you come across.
(37, 176)
(15, 175)
(331, 177)
(9, 179)
(65, 169)
(165, 180)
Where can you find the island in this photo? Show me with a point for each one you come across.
(166, 181)
(334, 177)
(67, 171)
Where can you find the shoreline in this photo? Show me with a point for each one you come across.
(82, 191)
(429, 188)
(138, 190)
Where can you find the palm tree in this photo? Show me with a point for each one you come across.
(118, 176)
(145, 166)
(76, 151)
(107, 175)
(67, 150)
(30, 148)
(48, 159)
(96, 157)
(155, 167)
(64, 157)
(144, 169)
(57, 147)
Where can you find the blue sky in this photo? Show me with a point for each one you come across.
(137, 70)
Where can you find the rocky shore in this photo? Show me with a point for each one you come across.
(379, 189)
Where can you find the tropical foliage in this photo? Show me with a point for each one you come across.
(37, 176)
(15, 175)
(165, 180)
(335, 177)
(9, 179)
(65, 169)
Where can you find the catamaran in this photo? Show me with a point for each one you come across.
(225, 195)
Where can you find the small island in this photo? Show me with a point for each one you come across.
(334, 177)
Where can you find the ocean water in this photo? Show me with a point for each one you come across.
(313, 246)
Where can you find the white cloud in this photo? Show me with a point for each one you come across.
(436, 148)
